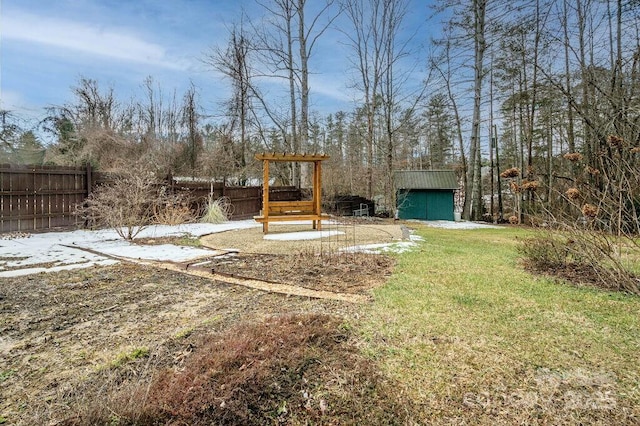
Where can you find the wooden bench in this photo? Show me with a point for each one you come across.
(286, 211)
(290, 207)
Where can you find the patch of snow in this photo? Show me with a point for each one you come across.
(23, 256)
(399, 247)
(29, 271)
(195, 229)
(47, 248)
(64, 250)
(298, 236)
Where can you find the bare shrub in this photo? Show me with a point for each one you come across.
(598, 225)
(126, 204)
(172, 209)
(583, 256)
(545, 253)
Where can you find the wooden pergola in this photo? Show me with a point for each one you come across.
(282, 211)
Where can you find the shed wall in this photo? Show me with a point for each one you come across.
(425, 204)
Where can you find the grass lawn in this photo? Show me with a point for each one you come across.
(472, 338)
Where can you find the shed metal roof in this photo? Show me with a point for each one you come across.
(426, 179)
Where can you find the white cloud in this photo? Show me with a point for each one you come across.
(10, 98)
(331, 86)
(113, 43)
(15, 101)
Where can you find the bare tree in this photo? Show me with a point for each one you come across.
(474, 192)
(444, 68)
(398, 102)
(308, 34)
(368, 39)
(190, 121)
(285, 47)
(89, 129)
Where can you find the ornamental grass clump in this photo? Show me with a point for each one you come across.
(217, 210)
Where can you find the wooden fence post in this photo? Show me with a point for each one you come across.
(89, 180)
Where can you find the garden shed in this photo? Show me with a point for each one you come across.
(425, 194)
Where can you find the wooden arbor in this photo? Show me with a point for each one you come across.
(282, 211)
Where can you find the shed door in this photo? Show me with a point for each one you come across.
(439, 205)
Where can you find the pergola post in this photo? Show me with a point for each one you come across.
(317, 192)
(265, 196)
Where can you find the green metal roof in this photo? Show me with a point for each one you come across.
(425, 179)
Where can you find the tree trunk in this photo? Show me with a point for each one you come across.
(479, 9)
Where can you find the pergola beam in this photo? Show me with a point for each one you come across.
(274, 156)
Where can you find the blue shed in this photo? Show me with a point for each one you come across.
(425, 194)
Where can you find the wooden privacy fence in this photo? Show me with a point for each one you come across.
(41, 197)
(45, 197)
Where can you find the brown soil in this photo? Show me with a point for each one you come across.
(335, 273)
(253, 241)
(70, 336)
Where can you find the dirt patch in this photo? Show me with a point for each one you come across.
(348, 273)
(252, 241)
(58, 330)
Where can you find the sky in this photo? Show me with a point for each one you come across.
(47, 46)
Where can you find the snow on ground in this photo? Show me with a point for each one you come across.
(37, 270)
(397, 247)
(54, 251)
(161, 252)
(403, 246)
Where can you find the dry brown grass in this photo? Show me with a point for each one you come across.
(291, 369)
